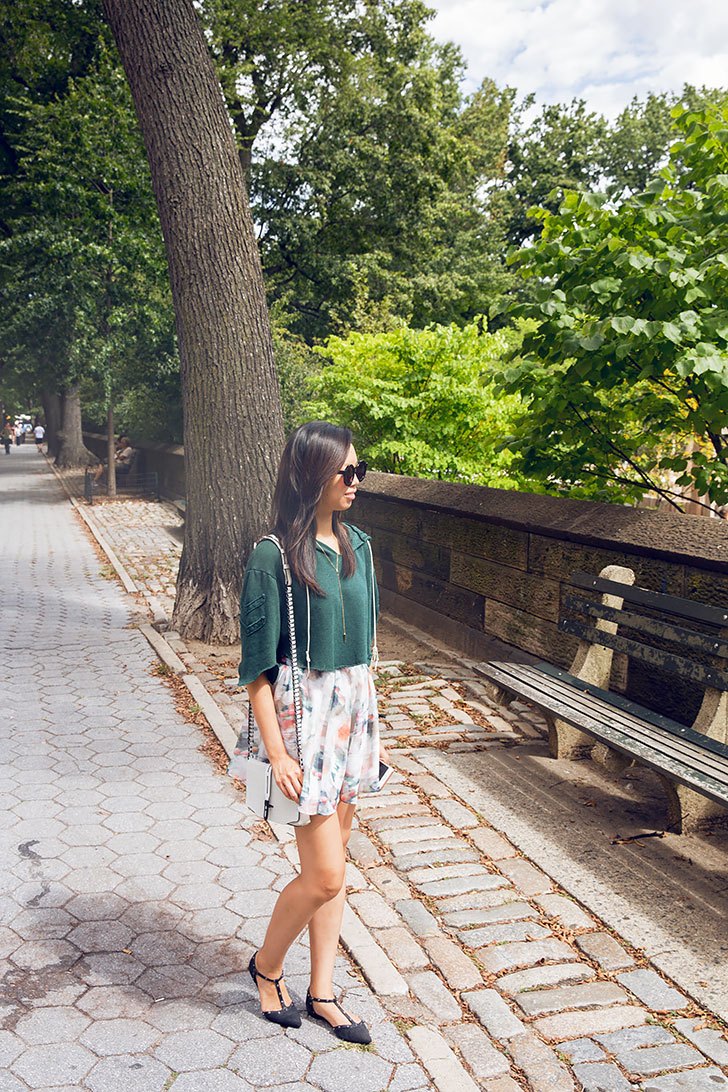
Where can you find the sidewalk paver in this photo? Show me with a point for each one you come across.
(133, 884)
(444, 903)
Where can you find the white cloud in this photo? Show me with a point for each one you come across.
(605, 51)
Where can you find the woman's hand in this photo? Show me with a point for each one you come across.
(289, 776)
(384, 754)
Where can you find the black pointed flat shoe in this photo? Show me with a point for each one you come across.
(353, 1032)
(287, 1016)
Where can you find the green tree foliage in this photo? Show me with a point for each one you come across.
(422, 402)
(369, 171)
(568, 147)
(626, 373)
(85, 290)
(559, 149)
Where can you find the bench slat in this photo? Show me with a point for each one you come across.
(701, 759)
(620, 741)
(672, 604)
(706, 676)
(687, 638)
(639, 712)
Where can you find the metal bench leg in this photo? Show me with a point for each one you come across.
(688, 810)
(592, 664)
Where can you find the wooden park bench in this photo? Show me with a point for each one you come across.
(671, 635)
(130, 483)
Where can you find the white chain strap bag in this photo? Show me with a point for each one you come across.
(262, 794)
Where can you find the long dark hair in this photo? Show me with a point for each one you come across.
(311, 457)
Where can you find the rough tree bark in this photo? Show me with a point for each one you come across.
(51, 400)
(233, 429)
(71, 448)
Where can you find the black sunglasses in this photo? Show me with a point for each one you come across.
(350, 472)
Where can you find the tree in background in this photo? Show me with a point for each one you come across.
(232, 415)
(423, 402)
(86, 293)
(368, 169)
(626, 373)
(565, 146)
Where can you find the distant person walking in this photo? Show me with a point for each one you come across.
(7, 435)
(39, 433)
(19, 433)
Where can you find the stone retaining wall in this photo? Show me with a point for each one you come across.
(485, 570)
(478, 567)
(168, 460)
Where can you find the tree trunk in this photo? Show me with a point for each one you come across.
(233, 428)
(51, 400)
(72, 450)
(110, 453)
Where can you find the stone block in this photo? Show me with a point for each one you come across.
(478, 1051)
(337, 1069)
(454, 965)
(444, 853)
(581, 1050)
(373, 910)
(692, 1080)
(428, 989)
(362, 849)
(494, 1014)
(418, 917)
(389, 883)
(492, 844)
(432, 786)
(445, 871)
(439, 1060)
(503, 933)
(440, 598)
(496, 897)
(575, 1025)
(456, 814)
(605, 950)
(525, 877)
(538, 595)
(617, 1042)
(402, 949)
(601, 1077)
(510, 957)
(509, 911)
(540, 1064)
(583, 996)
(377, 967)
(411, 839)
(458, 885)
(536, 635)
(652, 990)
(712, 1043)
(646, 1061)
(552, 974)
(568, 912)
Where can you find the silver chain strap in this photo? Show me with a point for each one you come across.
(295, 670)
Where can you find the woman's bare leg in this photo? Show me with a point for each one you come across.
(324, 929)
(321, 879)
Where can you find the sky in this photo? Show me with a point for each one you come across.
(604, 51)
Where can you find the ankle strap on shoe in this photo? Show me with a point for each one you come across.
(260, 974)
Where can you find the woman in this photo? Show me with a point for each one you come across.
(335, 605)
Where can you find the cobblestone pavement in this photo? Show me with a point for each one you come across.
(499, 980)
(133, 885)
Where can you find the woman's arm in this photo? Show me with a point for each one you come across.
(287, 772)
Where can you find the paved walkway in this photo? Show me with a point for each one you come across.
(491, 976)
(132, 886)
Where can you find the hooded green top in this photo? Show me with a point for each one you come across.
(318, 619)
